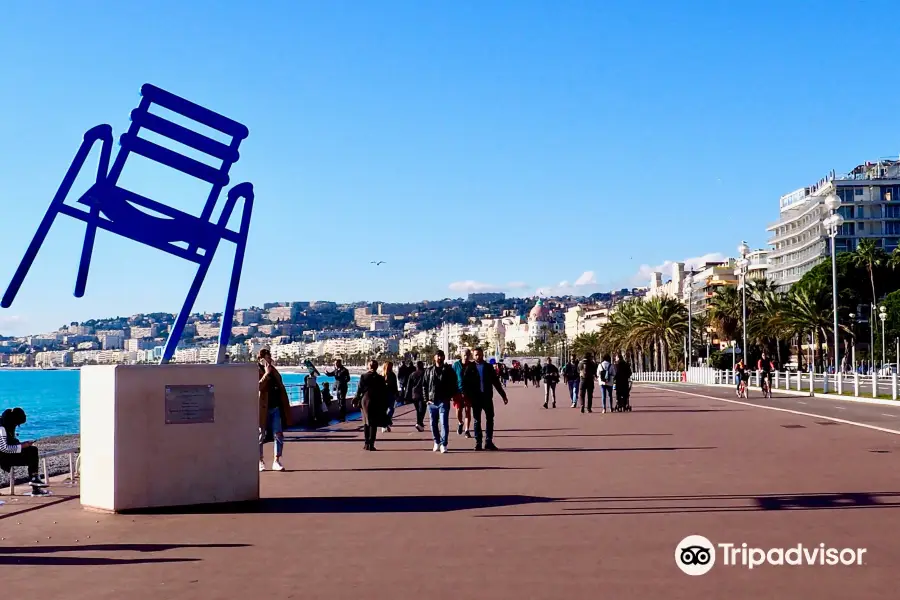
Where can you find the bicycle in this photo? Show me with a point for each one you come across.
(766, 386)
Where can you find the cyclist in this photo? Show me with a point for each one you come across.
(765, 367)
(742, 376)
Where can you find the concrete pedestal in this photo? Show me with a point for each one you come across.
(173, 435)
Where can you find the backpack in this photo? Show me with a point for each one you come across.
(604, 374)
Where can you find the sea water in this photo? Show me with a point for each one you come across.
(50, 398)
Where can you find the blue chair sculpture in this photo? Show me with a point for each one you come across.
(106, 205)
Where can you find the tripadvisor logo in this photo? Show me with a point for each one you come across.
(696, 555)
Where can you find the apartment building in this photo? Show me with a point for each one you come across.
(145, 332)
(280, 314)
(870, 197)
(207, 329)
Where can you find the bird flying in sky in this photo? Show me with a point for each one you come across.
(377, 262)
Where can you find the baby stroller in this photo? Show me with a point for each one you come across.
(623, 397)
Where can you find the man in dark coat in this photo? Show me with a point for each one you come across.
(372, 398)
(341, 382)
(479, 382)
(587, 371)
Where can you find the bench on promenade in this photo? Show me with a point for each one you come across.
(74, 455)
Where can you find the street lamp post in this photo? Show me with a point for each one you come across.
(833, 224)
(882, 314)
(853, 340)
(743, 264)
(688, 293)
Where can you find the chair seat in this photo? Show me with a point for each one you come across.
(121, 208)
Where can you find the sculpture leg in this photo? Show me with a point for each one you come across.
(86, 250)
(240, 247)
(39, 236)
(181, 319)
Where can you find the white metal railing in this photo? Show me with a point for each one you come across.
(849, 384)
(657, 376)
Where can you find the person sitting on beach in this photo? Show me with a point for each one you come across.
(14, 453)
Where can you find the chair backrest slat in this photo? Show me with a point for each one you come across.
(194, 111)
(170, 158)
(183, 135)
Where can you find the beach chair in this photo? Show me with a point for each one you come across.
(106, 205)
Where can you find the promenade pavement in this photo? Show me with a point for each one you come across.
(574, 506)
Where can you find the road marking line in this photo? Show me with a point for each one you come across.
(787, 410)
(840, 407)
(799, 402)
(888, 415)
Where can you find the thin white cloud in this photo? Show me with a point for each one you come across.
(13, 325)
(583, 286)
(642, 277)
(470, 286)
(587, 278)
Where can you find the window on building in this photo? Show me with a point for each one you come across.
(861, 213)
(862, 227)
(892, 212)
(845, 194)
(858, 191)
(892, 227)
(847, 211)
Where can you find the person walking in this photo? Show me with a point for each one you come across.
(526, 373)
(461, 402)
(480, 381)
(390, 378)
(622, 379)
(371, 398)
(587, 371)
(415, 393)
(274, 409)
(14, 453)
(341, 383)
(550, 374)
(441, 385)
(607, 378)
(406, 369)
(570, 376)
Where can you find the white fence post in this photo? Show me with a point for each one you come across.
(894, 386)
(839, 383)
(812, 382)
(799, 377)
(825, 382)
(874, 384)
(856, 384)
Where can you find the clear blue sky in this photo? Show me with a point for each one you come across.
(492, 142)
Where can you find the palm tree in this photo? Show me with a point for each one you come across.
(768, 321)
(664, 322)
(868, 255)
(810, 311)
(725, 312)
(587, 342)
(617, 335)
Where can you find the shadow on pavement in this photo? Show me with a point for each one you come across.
(574, 435)
(24, 555)
(668, 449)
(387, 469)
(637, 408)
(641, 505)
(357, 504)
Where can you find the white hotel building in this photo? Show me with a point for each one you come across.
(870, 197)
